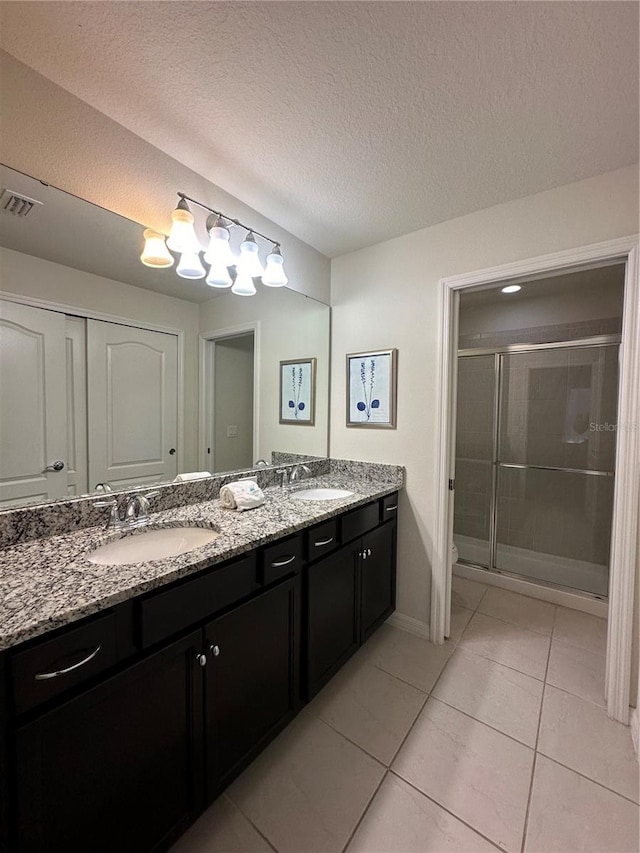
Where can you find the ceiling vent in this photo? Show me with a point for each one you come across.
(16, 204)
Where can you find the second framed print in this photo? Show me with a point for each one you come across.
(371, 389)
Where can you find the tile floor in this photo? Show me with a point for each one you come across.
(496, 740)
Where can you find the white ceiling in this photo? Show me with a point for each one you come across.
(352, 122)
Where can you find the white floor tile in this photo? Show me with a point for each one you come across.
(466, 593)
(577, 671)
(222, 829)
(581, 629)
(492, 693)
(580, 735)
(460, 617)
(569, 813)
(308, 789)
(526, 612)
(408, 657)
(480, 775)
(370, 707)
(506, 643)
(402, 820)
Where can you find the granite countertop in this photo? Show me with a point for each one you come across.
(48, 583)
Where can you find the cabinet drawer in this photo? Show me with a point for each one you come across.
(49, 668)
(359, 521)
(281, 559)
(322, 539)
(166, 613)
(389, 507)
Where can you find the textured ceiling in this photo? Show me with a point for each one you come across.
(349, 123)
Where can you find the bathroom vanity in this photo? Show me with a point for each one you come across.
(122, 726)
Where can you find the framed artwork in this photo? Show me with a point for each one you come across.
(298, 391)
(371, 389)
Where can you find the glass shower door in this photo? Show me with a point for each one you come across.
(556, 455)
(474, 458)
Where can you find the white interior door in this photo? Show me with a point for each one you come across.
(132, 404)
(32, 405)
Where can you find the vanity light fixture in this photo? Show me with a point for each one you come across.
(226, 269)
(511, 288)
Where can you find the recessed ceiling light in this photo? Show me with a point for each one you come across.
(511, 288)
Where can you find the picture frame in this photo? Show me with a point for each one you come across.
(298, 391)
(372, 389)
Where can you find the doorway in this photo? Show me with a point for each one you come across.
(626, 490)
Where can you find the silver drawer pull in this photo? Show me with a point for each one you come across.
(323, 542)
(391, 508)
(215, 650)
(283, 562)
(44, 676)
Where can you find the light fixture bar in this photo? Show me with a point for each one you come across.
(228, 219)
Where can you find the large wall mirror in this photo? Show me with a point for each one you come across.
(111, 372)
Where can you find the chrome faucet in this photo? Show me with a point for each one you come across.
(136, 514)
(284, 477)
(296, 473)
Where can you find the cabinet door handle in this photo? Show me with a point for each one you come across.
(201, 659)
(215, 650)
(368, 552)
(391, 508)
(323, 542)
(44, 676)
(280, 563)
(364, 555)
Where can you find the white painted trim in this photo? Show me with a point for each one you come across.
(533, 590)
(635, 731)
(624, 532)
(218, 335)
(408, 623)
(626, 497)
(63, 308)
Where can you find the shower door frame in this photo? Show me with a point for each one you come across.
(624, 534)
(594, 341)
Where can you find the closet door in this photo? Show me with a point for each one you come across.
(132, 404)
(32, 405)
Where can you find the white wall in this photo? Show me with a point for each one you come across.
(291, 326)
(44, 280)
(233, 404)
(387, 296)
(57, 138)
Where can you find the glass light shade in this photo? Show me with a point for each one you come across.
(218, 250)
(249, 260)
(155, 253)
(190, 266)
(218, 276)
(274, 274)
(182, 237)
(511, 288)
(243, 285)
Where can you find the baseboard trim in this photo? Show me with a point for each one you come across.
(408, 623)
(635, 731)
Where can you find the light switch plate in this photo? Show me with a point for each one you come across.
(232, 431)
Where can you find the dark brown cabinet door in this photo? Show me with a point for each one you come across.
(251, 684)
(332, 616)
(116, 768)
(378, 578)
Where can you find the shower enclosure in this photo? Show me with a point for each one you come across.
(535, 456)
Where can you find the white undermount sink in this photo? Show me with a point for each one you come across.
(148, 545)
(320, 494)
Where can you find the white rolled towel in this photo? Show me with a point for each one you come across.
(241, 494)
(192, 475)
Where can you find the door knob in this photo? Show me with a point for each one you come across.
(55, 466)
(215, 650)
(172, 451)
(201, 659)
